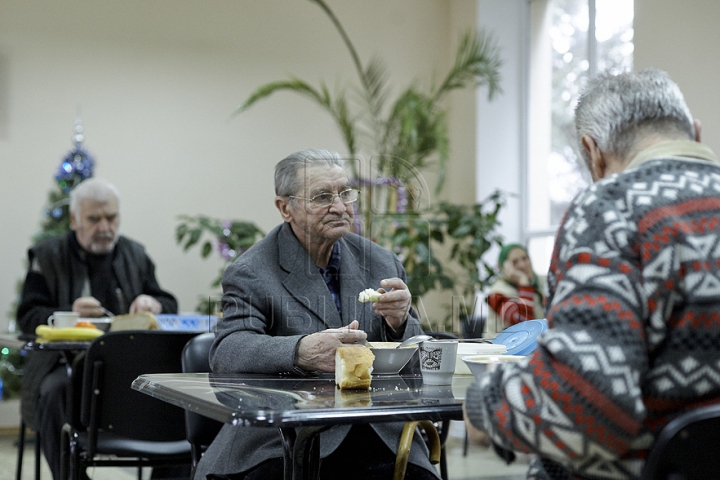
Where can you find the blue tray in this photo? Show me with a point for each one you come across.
(521, 339)
(186, 323)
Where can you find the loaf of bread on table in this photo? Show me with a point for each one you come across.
(135, 321)
(353, 366)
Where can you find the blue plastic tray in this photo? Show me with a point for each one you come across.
(186, 323)
(521, 339)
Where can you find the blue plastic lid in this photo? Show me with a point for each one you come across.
(521, 339)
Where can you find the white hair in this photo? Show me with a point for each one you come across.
(93, 188)
(618, 110)
(287, 178)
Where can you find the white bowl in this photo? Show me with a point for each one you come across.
(468, 349)
(388, 359)
(479, 364)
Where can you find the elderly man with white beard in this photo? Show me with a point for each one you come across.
(91, 270)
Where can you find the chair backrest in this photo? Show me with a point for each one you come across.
(196, 354)
(473, 327)
(108, 402)
(200, 430)
(687, 448)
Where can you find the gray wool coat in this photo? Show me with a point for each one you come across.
(273, 295)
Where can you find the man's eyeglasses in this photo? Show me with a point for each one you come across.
(326, 199)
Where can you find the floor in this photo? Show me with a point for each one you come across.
(480, 463)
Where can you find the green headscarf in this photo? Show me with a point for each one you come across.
(506, 251)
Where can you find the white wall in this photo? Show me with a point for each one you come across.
(157, 82)
(682, 38)
(501, 122)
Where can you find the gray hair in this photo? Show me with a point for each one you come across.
(94, 188)
(288, 180)
(618, 110)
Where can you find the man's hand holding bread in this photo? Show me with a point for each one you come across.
(316, 352)
(395, 302)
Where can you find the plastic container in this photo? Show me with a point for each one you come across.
(521, 339)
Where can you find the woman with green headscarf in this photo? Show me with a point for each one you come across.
(517, 295)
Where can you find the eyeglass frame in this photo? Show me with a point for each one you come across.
(311, 200)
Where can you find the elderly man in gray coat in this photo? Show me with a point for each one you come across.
(290, 301)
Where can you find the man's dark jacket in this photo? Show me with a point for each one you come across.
(56, 276)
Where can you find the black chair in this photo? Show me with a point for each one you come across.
(473, 327)
(687, 448)
(118, 426)
(200, 430)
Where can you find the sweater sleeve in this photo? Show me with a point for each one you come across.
(514, 310)
(578, 394)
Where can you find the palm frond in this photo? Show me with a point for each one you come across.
(477, 63)
(416, 128)
(374, 95)
(338, 108)
(293, 85)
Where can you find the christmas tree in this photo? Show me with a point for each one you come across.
(76, 166)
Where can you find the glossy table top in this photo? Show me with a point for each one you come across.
(57, 345)
(275, 401)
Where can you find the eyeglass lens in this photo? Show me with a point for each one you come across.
(325, 199)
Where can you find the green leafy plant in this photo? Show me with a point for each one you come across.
(469, 231)
(230, 238)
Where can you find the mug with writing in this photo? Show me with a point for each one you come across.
(63, 319)
(437, 361)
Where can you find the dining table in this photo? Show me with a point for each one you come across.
(300, 408)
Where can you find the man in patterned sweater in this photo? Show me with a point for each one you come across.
(634, 305)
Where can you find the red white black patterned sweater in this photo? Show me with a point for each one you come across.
(634, 316)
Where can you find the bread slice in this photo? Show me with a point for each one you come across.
(136, 321)
(353, 366)
(369, 295)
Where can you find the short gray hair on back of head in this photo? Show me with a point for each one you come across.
(288, 180)
(617, 110)
(93, 188)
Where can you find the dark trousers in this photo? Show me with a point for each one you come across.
(361, 456)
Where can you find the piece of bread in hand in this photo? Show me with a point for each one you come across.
(369, 295)
(135, 321)
(353, 367)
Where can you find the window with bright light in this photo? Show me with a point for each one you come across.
(570, 40)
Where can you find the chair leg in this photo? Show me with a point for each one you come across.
(21, 449)
(38, 456)
(65, 451)
(465, 443)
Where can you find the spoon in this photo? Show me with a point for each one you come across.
(414, 340)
